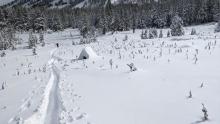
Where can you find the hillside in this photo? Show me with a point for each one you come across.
(63, 3)
(53, 86)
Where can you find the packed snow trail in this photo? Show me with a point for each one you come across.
(48, 112)
(54, 103)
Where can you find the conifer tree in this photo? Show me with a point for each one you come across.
(177, 26)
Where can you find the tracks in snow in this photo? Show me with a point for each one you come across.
(48, 112)
(53, 109)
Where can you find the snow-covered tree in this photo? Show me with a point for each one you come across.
(161, 34)
(7, 38)
(2, 20)
(39, 23)
(153, 33)
(190, 94)
(168, 33)
(41, 38)
(217, 29)
(56, 24)
(144, 34)
(205, 112)
(3, 54)
(34, 51)
(201, 15)
(193, 31)
(32, 40)
(111, 63)
(177, 26)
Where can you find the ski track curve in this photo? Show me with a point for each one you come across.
(49, 110)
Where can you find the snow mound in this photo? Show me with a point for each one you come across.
(87, 53)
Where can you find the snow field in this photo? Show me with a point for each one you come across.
(75, 91)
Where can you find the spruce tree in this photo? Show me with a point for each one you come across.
(177, 26)
(217, 29)
(32, 41)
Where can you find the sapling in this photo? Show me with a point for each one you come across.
(41, 38)
(187, 56)
(3, 54)
(190, 94)
(73, 43)
(111, 63)
(3, 85)
(193, 32)
(205, 112)
(161, 34)
(201, 86)
(197, 51)
(116, 66)
(196, 59)
(125, 38)
(18, 72)
(168, 34)
(34, 51)
(119, 55)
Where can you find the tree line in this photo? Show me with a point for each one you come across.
(110, 17)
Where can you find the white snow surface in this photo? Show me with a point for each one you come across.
(73, 91)
(3, 2)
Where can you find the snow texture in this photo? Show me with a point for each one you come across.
(55, 87)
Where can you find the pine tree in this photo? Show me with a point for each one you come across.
(193, 32)
(168, 33)
(41, 38)
(2, 20)
(144, 34)
(177, 26)
(39, 23)
(217, 29)
(56, 24)
(153, 33)
(32, 41)
(201, 15)
(161, 34)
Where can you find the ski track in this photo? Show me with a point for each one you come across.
(48, 112)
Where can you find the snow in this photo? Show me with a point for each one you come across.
(40, 116)
(73, 91)
(3, 2)
(87, 53)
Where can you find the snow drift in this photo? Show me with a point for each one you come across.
(87, 53)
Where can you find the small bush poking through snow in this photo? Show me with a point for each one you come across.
(132, 67)
(111, 63)
(205, 112)
(125, 38)
(34, 51)
(193, 32)
(3, 85)
(3, 54)
(190, 94)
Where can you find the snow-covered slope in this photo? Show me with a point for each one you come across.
(54, 86)
(3, 2)
(63, 3)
